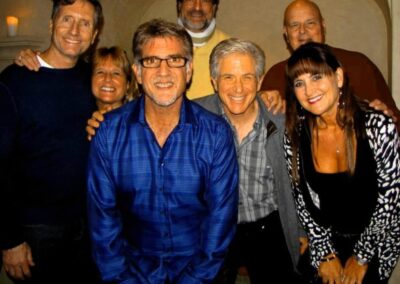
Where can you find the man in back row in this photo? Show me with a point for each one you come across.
(303, 22)
(198, 17)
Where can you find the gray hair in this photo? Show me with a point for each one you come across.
(234, 45)
(160, 28)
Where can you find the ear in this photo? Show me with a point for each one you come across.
(189, 71)
(214, 82)
(138, 73)
(215, 9)
(259, 83)
(51, 27)
(94, 36)
(179, 8)
(339, 77)
(285, 33)
(323, 30)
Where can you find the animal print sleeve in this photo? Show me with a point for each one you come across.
(383, 232)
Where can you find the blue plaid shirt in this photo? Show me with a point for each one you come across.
(162, 214)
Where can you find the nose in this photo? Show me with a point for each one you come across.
(164, 68)
(308, 89)
(197, 4)
(107, 76)
(239, 85)
(74, 28)
(302, 29)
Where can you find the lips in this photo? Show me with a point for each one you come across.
(314, 99)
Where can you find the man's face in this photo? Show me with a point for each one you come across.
(163, 85)
(303, 24)
(73, 29)
(196, 15)
(237, 83)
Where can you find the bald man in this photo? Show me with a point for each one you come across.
(302, 23)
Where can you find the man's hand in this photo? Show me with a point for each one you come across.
(273, 101)
(94, 122)
(331, 271)
(17, 261)
(27, 58)
(381, 106)
(353, 272)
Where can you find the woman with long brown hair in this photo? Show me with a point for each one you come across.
(344, 162)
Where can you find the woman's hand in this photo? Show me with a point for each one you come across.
(354, 272)
(331, 271)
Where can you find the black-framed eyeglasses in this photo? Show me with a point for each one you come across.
(155, 62)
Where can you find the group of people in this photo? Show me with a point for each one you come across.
(182, 191)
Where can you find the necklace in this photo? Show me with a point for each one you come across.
(337, 150)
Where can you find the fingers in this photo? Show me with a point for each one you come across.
(18, 272)
(98, 115)
(28, 59)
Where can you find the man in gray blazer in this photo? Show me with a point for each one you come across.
(268, 236)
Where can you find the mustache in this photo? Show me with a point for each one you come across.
(197, 13)
(161, 79)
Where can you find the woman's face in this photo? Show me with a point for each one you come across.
(109, 83)
(318, 93)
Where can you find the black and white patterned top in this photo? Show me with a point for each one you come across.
(382, 236)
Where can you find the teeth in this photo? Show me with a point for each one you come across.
(164, 85)
(313, 100)
(107, 89)
(72, 41)
(237, 98)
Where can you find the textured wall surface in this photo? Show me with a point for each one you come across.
(358, 24)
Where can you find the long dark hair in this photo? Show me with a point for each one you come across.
(317, 58)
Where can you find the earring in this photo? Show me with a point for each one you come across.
(301, 115)
(341, 103)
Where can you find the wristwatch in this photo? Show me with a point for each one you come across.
(360, 261)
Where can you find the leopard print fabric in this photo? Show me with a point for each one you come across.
(382, 236)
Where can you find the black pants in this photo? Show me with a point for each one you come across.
(260, 247)
(61, 254)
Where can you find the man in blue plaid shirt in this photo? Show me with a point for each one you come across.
(162, 174)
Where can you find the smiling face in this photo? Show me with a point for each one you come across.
(318, 93)
(303, 23)
(109, 83)
(164, 85)
(237, 83)
(72, 31)
(196, 15)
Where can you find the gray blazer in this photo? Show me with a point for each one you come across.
(286, 206)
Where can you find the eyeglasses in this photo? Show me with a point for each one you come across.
(155, 62)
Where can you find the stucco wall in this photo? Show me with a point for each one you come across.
(362, 25)
(357, 24)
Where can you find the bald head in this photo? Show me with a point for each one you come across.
(303, 23)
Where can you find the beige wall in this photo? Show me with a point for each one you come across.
(357, 24)
(361, 25)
